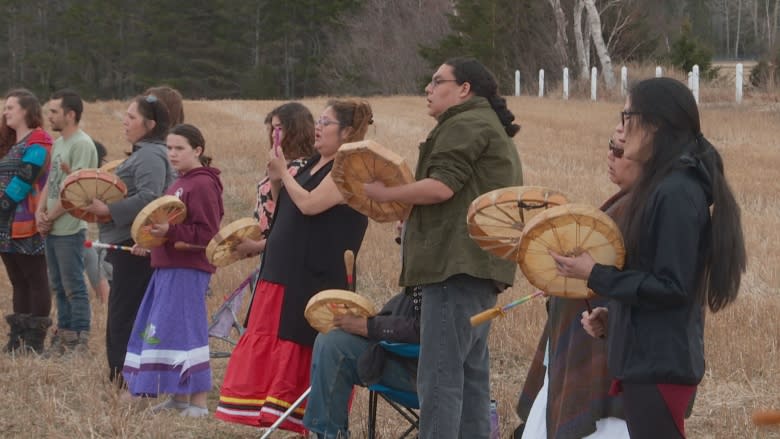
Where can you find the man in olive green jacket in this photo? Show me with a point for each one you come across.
(468, 153)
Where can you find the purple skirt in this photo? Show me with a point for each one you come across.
(168, 351)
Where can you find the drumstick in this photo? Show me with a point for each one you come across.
(180, 245)
(97, 244)
(766, 417)
(499, 311)
(349, 264)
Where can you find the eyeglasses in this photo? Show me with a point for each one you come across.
(325, 122)
(625, 115)
(438, 81)
(617, 151)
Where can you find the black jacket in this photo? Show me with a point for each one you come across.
(656, 325)
(397, 322)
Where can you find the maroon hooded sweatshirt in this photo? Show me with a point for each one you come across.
(201, 191)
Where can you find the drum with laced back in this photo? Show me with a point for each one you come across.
(568, 230)
(496, 219)
(325, 305)
(166, 209)
(82, 186)
(366, 161)
(221, 250)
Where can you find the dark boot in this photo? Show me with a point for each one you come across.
(35, 333)
(15, 323)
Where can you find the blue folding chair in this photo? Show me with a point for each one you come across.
(405, 403)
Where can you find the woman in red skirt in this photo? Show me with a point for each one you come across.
(311, 229)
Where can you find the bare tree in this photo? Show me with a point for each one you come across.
(561, 40)
(378, 59)
(739, 29)
(598, 42)
(581, 41)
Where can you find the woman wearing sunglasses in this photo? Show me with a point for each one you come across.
(146, 173)
(684, 251)
(566, 392)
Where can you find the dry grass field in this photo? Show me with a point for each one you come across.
(563, 146)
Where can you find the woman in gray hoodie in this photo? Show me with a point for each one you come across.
(146, 173)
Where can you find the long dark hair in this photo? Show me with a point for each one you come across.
(483, 83)
(151, 108)
(666, 109)
(298, 124)
(33, 117)
(194, 138)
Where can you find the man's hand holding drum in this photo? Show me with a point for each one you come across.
(351, 323)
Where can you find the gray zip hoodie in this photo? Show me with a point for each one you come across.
(146, 173)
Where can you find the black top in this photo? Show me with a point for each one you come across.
(305, 253)
(656, 325)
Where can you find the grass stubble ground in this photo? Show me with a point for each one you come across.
(562, 145)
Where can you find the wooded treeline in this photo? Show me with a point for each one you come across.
(282, 49)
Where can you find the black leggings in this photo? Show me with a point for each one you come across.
(131, 277)
(30, 283)
(647, 414)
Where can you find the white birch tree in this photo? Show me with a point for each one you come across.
(598, 42)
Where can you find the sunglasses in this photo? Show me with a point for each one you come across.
(617, 151)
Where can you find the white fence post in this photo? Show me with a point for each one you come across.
(541, 83)
(695, 81)
(594, 76)
(690, 80)
(659, 71)
(739, 79)
(565, 83)
(517, 82)
(623, 80)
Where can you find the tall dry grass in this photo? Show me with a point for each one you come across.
(562, 145)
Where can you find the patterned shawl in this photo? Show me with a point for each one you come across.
(578, 377)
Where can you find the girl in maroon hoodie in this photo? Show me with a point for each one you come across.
(168, 350)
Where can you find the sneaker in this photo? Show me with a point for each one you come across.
(170, 404)
(194, 411)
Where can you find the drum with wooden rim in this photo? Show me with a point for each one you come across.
(221, 250)
(364, 162)
(166, 209)
(82, 186)
(568, 230)
(496, 219)
(327, 304)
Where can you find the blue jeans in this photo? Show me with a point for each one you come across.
(65, 259)
(453, 379)
(334, 373)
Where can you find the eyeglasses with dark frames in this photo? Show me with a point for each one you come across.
(438, 81)
(626, 115)
(617, 151)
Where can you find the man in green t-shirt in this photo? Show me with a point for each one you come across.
(468, 153)
(64, 233)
